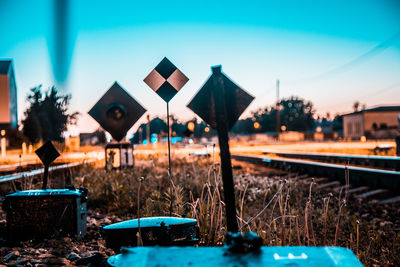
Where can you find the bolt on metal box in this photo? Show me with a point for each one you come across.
(36, 214)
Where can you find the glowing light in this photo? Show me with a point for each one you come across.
(319, 129)
(191, 126)
(283, 128)
(257, 125)
(207, 129)
(3, 132)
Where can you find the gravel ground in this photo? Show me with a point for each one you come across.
(90, 250)
(379, 233)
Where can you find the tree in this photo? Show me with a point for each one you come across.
(295, 113)
(356, 105)
(47, 116)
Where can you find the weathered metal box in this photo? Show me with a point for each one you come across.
(35, 214)
(161, 231)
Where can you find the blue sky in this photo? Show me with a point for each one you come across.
(315, 48)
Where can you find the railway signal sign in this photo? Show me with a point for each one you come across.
(220, 102)
(235, 98)
(47, 154)
(166, 79)
(117, 111)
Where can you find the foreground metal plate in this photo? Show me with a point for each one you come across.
(219, 256)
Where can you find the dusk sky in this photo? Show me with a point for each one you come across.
(332, 53)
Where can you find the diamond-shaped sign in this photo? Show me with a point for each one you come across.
(47, 153)
(236, 100)
(166, 79)
(117, 111)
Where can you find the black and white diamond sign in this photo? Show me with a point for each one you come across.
(166, 80)
(236, 100)
(117, 111)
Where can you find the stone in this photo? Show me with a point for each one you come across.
(57, 261)
(73, 256)
(11, 256)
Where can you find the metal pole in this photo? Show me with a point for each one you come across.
(45, 176)
(278, 115)
(120, 156)
(397, 139)
(169, 163)
(3, 143)
(223, 138)
(148, 129)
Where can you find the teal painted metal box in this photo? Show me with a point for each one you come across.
(35, 214)
(220, 256)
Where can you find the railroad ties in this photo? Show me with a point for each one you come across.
(384, 162)
(365, 184)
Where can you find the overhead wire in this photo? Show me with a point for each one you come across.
(381, 47)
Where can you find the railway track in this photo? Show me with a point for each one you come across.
(384, 162)
(39, 171)
(364, 182)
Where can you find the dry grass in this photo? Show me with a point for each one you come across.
(283, 210)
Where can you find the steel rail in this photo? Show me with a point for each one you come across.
(386, 162)
(26, 174)
(358, 176)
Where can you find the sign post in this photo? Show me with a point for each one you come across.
(220, 102)
(166, 80)
(223, 140)
(47, 154)
(117, 112)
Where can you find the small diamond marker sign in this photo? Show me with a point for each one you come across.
(117, 111)
(166, 80)
(236, 100)
(47, 153)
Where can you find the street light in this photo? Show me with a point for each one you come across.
(191, 126)
(3, 143)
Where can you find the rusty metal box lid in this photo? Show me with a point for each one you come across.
(47, 193)
(151, 222)
(155, 231)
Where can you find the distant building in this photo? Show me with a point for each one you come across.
(8, 96)
(72, 143)
(379, 122)
(96, 138)
(291, 136)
